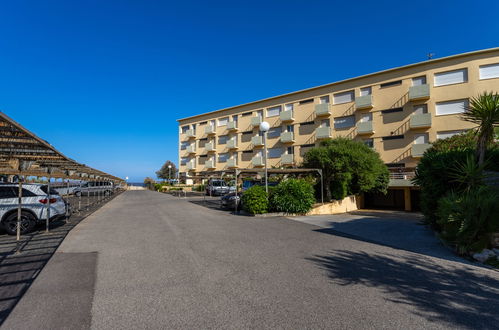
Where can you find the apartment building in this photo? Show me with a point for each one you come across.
(397, 112)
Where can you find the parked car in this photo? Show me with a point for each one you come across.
(33, 207)
(230, 200)
(217, 187)
(93, 188)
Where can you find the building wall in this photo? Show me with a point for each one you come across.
(386, 124)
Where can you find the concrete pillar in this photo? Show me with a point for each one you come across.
(407, 199)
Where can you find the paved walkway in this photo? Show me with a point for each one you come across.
(152, 261)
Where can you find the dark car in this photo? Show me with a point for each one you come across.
(230, 201)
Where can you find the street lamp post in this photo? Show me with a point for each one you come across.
(264, 127)
(169, 174)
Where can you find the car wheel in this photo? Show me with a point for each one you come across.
(28, 222)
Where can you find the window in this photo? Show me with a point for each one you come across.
(246, 114)
(7, 192)
(450, 107)
(365, 91)
(420, 109)
(274, 111)
(234, 118)
(325, 123)
(247, 133)
(307, 123)
(489, 71)
(392, 110)
(290, 128)
(324, 99)
(366, 117)
(203, 139)
(448, 134)
(344, 97)
(391, 84)
(418, 81)
(369, 143)
(289, 107)
(203, 123)
(274, 152)
(392, 137)
(274, 132)
(222, 158)
(184, 160)
(185, 129)
(421, 138)
(222, 139)
(306, 101)
(290, 150)
(451, 77)
(247, 151)
(344, 122)
(311, 145)
(183, 145)
(223, 121)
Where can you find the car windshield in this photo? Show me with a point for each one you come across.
(216, 183)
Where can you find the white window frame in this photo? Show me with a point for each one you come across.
(439, 80)
(336, 124)
(273, 111)
(223, 121)
(447, 134)
(340, 98)
(439, 104)
(289, 107)
(365, 91)
(494, 74)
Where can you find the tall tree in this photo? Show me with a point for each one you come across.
(167, 173)
(348, 167)
(483, 111)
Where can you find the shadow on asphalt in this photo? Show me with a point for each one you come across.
(457, 296)
(21, 262)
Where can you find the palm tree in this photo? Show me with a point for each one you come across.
(484, 111)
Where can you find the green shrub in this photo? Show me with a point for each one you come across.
(200, 187)
(292, 196)
(255, 200)
(468, 218)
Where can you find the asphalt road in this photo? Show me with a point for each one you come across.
(152, 261)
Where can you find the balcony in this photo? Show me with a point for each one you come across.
(190, 166)
(322, 109)
(231, 163)
(257, 161)
(420, 92)
(256, 121)
(286, 116)
(232, 144)
(257, 141)
(190, 133)
(209, 129)
(418, 150)
(287, 159)
(323, 132)
(209, 165)
(287, 137)
(365, 127)
(422, 120)
(364, 102)
(401, 177)
(190, 149)
(232, 125)
(209, 147)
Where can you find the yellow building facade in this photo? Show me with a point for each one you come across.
(398, 112)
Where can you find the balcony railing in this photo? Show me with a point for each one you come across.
(419, 92)
(232, 143)
(287, 137)
(286, 116)
(231, 163)
(287, 159)
(191, 166)
(190, 149)
(256, 121)
(209, 164)
(323, 109)
(210, 129)
(364, 102)
(323, 132)
(418, 150)
(190, 133)
(257, 141)
(209, 147)
(365, 127)
(257, 161)
(232, 125)
(421, 120)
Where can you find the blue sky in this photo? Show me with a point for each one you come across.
(104, 81)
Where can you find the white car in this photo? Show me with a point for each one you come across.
(33, 206)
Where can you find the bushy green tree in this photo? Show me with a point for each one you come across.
(292, 196)
(167, 173)
(255, 200)
(348, 167)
